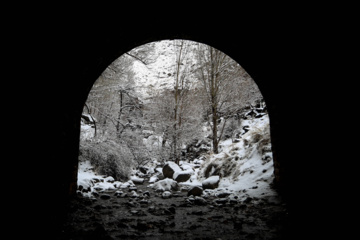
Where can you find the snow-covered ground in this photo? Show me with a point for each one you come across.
(250, 172)
(91, 182)
(248, 168)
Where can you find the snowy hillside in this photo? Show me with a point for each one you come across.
(159, 74)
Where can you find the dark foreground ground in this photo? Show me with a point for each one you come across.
(149, 216)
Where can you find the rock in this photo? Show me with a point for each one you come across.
(248, 200)
(200, 201)
(147, 193)
(153, 179)
(109, 179)
(182, 176)
(169, 169)
(124, 195)
(144, 201)
(176, 195)
(142, 225)
(134, 194)
(137, 180)
(118, 193)
(105, 196)
(211, 182)
(166, 194)
(132, 189)
(222, 194)
(199, 213)
(143, 169)
(195, 191)
(166, 185)
(221, 200)
(172, 210)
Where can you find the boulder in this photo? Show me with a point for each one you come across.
(195, 191)
(137, 180)
(166, 185)
(200, 201)
(153, 179)
(105, 196)
(143, 169)
(169, 169)
(182, 176)
(172, 170)
(211, 182)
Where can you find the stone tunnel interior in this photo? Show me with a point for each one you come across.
(84, 56)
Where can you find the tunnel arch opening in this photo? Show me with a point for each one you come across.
(252, 109)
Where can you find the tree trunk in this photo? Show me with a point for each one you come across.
(213, 93)
(214, 130)
(119, 116)
(176, 96)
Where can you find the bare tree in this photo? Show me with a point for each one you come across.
(177, 111)
(222, 81)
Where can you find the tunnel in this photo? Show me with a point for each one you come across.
(82, 52)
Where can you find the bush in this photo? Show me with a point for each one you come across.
(108, 158)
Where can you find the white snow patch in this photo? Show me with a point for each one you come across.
(211, 180)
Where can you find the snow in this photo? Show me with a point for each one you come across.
(211, 180)
(174, 166)
(166, 184)
(166, 194)
(88, 179)
(157, 75)
(136, 179)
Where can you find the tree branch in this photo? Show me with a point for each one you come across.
(133, 56)
(89, 112)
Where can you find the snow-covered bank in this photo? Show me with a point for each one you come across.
(245, 166)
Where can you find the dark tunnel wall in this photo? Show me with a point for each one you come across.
(54, 54)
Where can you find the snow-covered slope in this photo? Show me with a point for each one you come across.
(159, 74)
(245, 165)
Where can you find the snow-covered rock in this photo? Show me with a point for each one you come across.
(169, 169)
(166, 194)
(137, 180)
(165, 185)
(211, 182)
(172, 170)
(153, 179)
(182, 176)
(109, 179)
